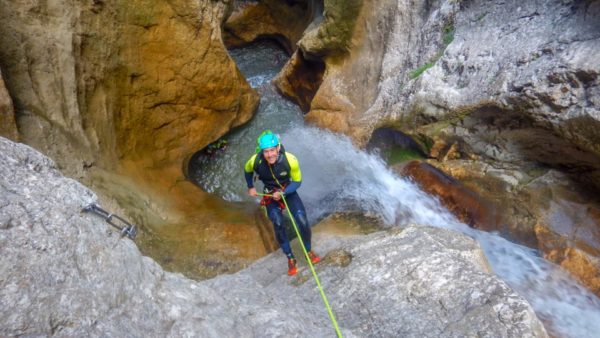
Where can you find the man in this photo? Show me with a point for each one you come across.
(280, 173)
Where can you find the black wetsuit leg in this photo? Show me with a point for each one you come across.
(275, 215)
(297, 209)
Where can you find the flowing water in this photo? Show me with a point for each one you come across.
(339, 177)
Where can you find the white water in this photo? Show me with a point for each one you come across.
(338, 177)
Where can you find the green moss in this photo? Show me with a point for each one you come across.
(447, 38)
(448, 35)
(417, 72)
(399, 154)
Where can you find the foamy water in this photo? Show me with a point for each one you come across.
(332, 167)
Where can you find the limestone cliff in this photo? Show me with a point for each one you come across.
(510, 88)
(433, 60)
(121, 93)
(140, 84)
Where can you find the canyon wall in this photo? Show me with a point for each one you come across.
(504, 96)
(121, 93)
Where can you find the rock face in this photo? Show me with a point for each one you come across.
(529, 93)
(8, 128)
(284, 21)
(567, 227)
(508, 87)
(544, 209)
(500, 77)
(436, 65)
(468, 206)
(147, 82)
(348, 40)
(120, 94)
(300, 79)
(67, 273)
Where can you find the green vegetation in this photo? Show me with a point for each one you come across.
(415, 73)
(399, 154)
(448, 35)
(447, 38)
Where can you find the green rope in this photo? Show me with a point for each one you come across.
(312, 268)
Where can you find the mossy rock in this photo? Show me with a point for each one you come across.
(333, 36)
(399, 154)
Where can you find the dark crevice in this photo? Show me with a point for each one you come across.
(301, 81)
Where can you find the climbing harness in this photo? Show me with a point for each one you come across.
(267, 200)
(312, 268)
(126, 228)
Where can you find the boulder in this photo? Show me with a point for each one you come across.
(465, 204)
(300, 79)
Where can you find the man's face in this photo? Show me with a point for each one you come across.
(270, 154)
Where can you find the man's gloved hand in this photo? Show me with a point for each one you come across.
(252, 192)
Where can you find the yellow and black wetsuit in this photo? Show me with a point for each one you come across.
(284, 175)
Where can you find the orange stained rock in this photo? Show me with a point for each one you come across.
(570, 237)
(465, 204)
(281, 20)
(300, 79)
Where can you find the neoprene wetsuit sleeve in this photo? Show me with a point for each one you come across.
(292, 187)
(295, 174)
(249, 171)
(248, 177)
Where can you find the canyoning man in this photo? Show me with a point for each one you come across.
(280, 173)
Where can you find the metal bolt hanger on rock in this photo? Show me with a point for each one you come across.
(126, 228)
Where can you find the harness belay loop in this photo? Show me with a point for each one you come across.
(268, 199)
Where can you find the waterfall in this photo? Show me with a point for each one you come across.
(339, 177)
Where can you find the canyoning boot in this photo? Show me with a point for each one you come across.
(314, 258)
(292, 270)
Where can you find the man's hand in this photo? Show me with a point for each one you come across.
(277, 195)
(252, 192)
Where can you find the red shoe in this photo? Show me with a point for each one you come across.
(314, 258)
(292, 270)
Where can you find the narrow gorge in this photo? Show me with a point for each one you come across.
(450, 155)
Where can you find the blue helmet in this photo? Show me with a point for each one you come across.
(267, 140)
